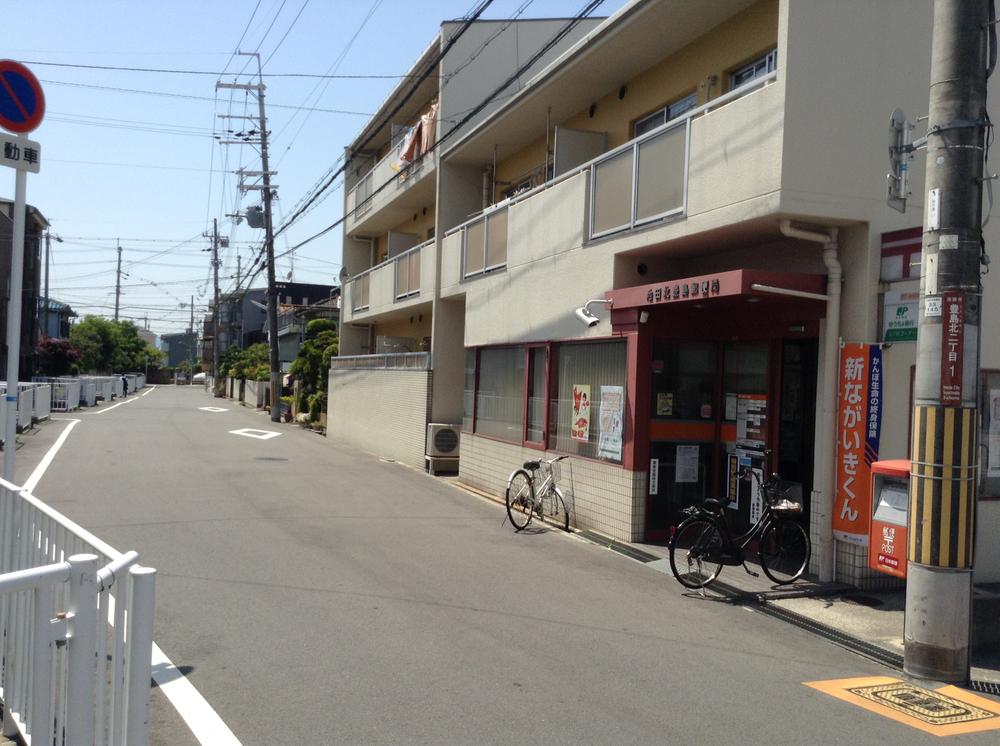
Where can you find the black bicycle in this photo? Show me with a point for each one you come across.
(703, 543)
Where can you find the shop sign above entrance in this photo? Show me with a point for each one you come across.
(677, 291)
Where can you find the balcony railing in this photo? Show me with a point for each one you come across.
(405, 268)
(386, 361)
(638, 183)
(385, 178)
(407, 271)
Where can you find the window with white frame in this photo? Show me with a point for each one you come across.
(755, 69)
(664, 115)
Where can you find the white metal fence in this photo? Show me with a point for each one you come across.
(77, 630)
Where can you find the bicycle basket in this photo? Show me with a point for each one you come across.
(555, 470)
(787, 498)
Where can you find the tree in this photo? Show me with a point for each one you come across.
(312, 364)
(57, 357)
(254, 362)
(111, 346)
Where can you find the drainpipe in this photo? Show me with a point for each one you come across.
(822, 498)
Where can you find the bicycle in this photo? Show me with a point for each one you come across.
(703, 543)
(524, 500)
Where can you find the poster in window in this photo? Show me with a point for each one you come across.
(654, 476)
(664, 404)
(579, 424)
(687, 465)
(993, 460)
(609, 444)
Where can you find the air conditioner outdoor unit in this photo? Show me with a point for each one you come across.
(443, 440)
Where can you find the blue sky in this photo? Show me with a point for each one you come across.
(132, 155)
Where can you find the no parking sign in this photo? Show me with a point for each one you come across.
(22, 103)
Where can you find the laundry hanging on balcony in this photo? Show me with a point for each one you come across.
(419, 139)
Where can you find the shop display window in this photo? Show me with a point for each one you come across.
(585, 373)
(500, 393)
(745, 368)
(584, 396)
(683, 379)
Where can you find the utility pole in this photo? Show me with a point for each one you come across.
(944, 455)
(191, 326)
(215, 310)
(45, 313)
(266, 189)
(118, 280)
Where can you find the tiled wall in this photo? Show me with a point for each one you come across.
(381, 411)
(602, 497)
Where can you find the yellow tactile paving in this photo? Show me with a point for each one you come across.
(948, 711)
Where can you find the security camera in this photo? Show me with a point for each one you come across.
(583, 313)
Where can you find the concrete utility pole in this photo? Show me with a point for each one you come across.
(215, 308)
(45, 311)
(266, 189)
(118, 281)
(944, 451)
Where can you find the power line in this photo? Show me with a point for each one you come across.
(167, 94)
(285, 35)
(213, 73)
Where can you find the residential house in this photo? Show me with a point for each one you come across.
(34, 228)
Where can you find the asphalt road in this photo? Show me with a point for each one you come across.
(317, 595)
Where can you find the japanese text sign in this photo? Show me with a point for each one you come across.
(20, 153)
(859, 424)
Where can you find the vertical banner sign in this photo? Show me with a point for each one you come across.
(952, 347)
(609, 444)
(579, 424)
(859, 424)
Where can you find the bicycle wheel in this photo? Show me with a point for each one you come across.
(784, 551)
(554, 509)
(520, 499)
(694, 551)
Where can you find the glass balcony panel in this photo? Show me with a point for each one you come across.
(402, 276)
(496, 239)
(613, 193)
(474, 251)
(414, 286)
(660, 187)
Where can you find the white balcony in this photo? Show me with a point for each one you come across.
(697, 172)
(388, 194)
(395, 283)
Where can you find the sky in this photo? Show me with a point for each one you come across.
(132, 157)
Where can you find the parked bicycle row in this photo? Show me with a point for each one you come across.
(703, 542)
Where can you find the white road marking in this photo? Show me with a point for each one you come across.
(205, 723)
(249, 432)
(113, 406)
(36, 475)
(213, 409)
(151, 390)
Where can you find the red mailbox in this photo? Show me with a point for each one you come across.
(890, 504)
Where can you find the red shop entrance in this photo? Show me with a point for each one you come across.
(702, 344)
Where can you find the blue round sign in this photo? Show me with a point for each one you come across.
(22, 103)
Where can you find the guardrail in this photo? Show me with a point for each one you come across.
(77, 630)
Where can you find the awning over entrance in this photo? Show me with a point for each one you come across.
(721, 285)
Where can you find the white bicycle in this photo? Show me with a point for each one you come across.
(525, 499)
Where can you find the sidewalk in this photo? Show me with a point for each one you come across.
(868, 622)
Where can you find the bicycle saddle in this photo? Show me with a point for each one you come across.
(713, 505)
(532, 465)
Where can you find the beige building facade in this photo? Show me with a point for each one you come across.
(713, 174)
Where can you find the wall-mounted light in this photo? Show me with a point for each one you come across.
(586, 315)
(643, 317)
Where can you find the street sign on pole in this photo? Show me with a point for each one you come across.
(20, 153)
(22, 106)
(22, 103)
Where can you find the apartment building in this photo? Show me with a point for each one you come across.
(712, 176)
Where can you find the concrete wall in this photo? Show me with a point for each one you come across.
(381, 411)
